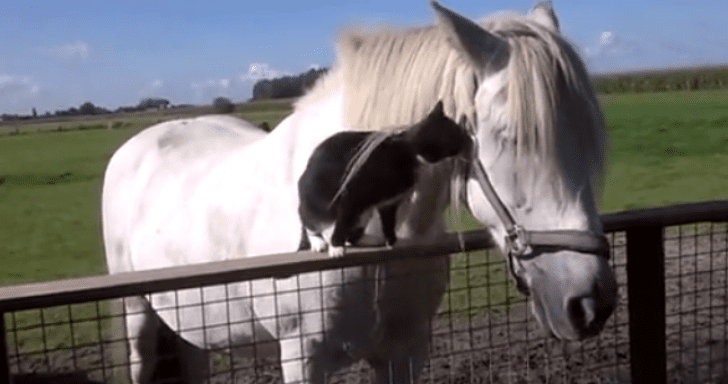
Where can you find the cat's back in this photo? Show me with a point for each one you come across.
(326, 169)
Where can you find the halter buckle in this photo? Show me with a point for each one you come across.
(515, 239)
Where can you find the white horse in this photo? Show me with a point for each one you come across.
(214, 188)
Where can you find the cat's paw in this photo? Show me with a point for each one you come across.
(389, 243)
(318, 244)
(336, 251)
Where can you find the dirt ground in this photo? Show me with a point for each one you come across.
(508, 347)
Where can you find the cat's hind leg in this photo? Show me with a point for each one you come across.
(388, 216)
(347, 219)
(316, 241)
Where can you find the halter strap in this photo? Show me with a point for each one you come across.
(357, 161)
(523, 244)
(520, 239)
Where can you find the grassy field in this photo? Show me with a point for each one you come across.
(665, 148)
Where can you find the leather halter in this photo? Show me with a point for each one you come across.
(524, 244)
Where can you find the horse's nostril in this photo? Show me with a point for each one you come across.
(583, 311)
(586, 315)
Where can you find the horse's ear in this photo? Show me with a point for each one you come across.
(484, 49)
(543, 13)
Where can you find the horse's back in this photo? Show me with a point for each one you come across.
(196, 136)
(156, 165)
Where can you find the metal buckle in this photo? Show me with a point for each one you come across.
(515, 240)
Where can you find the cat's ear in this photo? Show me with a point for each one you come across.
(438, 110)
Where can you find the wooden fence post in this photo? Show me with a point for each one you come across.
(646, 289)
(4, 363)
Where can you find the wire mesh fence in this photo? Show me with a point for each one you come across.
(696, 310)
(483, 331)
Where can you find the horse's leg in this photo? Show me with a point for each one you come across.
(194, 362)
(293, 360)
(311, 359)
(310, 351)
(142, 326)
(405, 363)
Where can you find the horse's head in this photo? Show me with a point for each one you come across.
(540, 136)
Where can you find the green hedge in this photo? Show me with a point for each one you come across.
(679, 80)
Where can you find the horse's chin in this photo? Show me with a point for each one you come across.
(550, 327)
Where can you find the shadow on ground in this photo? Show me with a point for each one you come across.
(57, 378)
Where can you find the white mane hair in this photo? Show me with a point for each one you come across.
(394, 77)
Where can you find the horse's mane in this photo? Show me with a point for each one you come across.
(546, 74)
(393, 77)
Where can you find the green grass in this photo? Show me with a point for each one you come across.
(50, 203)
(50, 195)
(666, 148)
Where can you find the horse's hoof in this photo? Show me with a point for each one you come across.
(318, 244)
(336, 251)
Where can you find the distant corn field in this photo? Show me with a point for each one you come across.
(657, 81)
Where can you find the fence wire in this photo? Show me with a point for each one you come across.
(483, 332)
(696, 310)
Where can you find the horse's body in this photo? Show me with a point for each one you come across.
(215, 188)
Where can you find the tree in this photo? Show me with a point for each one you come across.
(286, 86)
(153, 103)
(87, 108)
(35, 114)
(222, 105)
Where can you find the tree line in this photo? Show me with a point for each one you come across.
(88, 108)
(286, 86)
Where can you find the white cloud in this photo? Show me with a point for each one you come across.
(221, 83)
(156, 88)
(72, 52)
(205, 91)
(16, 88)
(613, 45)
(259, 71)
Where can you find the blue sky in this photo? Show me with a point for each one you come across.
(55, 55)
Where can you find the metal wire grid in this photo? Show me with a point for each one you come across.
(483, 333)
(501, 342)
(696, 285)
(68, 343)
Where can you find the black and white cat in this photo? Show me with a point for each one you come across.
(351, 174)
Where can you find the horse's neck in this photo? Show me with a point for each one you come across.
(431, 195)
